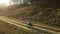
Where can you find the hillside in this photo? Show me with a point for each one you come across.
(47, 16)
(6, 28)
(35, 12)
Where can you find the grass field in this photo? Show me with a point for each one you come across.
(6, 28)
(45, 16)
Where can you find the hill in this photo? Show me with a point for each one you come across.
(34, 12)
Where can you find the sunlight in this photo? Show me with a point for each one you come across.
(5, 2)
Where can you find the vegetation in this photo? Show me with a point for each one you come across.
(6, 28)
(38, 11)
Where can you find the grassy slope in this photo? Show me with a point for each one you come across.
(36, 13)
(6, 28)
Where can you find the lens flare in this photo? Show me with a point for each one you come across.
(5, 2)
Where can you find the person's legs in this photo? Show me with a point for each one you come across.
(30, 24)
